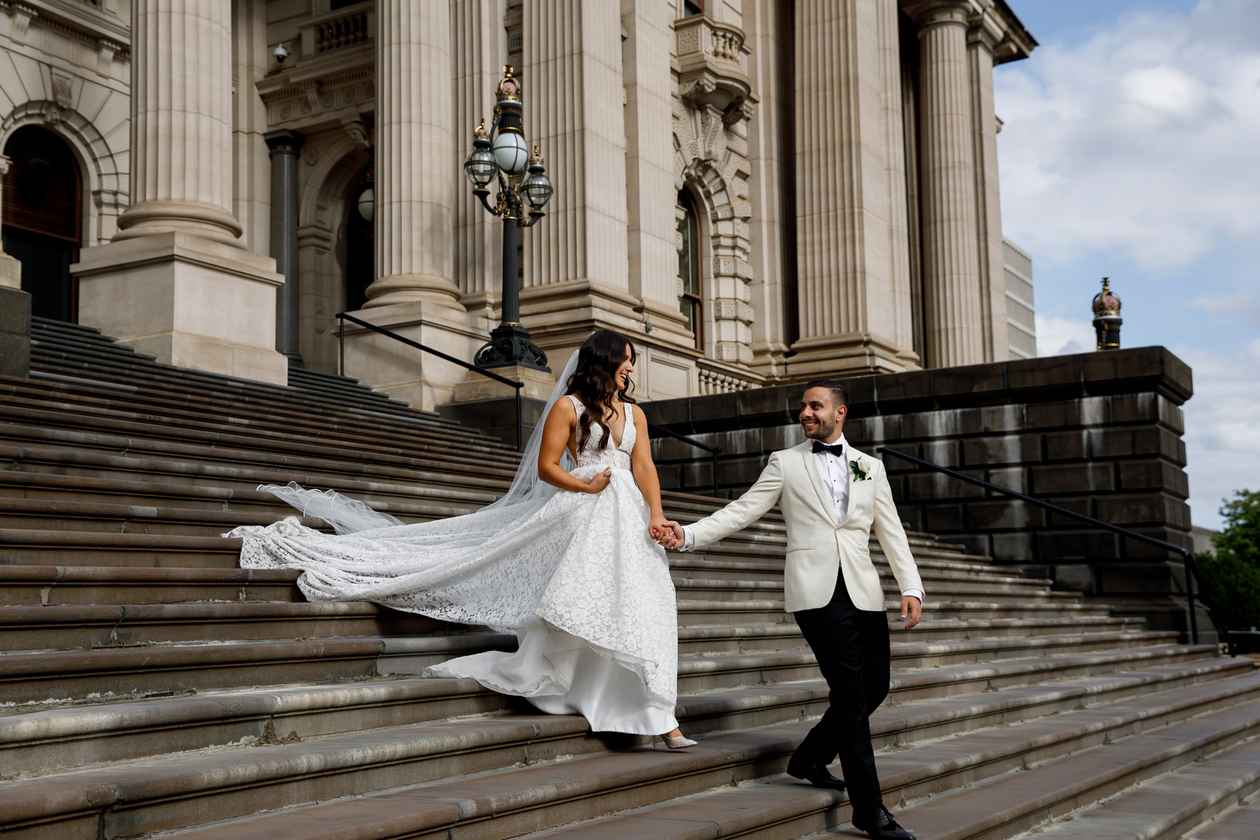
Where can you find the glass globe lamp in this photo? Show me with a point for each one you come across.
(510, 152)
(537, 186)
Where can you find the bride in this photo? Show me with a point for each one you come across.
(567, 560)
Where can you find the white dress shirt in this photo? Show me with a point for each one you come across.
(835, 471)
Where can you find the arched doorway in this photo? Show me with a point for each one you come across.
(360, 244)
(43, 218)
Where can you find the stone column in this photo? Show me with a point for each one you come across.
(982, 41)
(953, 315)
(576, 260)
(285, 148)
(480, 52)
(414, 294)
(651, 194)
(10, 268)
(252, 170)
(762, 34)
(416, 165)
(176, 281)
(852, 247)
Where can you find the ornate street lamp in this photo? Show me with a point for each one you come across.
(523, 191)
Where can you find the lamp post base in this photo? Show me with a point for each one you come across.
(510, 344)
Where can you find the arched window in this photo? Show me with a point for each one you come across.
(43, 218)
(691, 299)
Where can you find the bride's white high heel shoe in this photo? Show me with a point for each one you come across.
(677, 742)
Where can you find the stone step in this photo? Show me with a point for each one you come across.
(512, 802)
(30, 676)
(293, 403)
(104, 376)
(49, 470)
(215, 447)
(1238, 823)
(132, 369)
(771, 610)
(93, 624)
(61, 504)
(373, 415)
(44, 741)
(1168, 806)
(100, 548)
(779, 807)
(235, 428)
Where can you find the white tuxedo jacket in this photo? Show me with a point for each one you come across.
(817, 548)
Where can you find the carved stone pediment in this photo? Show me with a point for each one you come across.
(713, 67)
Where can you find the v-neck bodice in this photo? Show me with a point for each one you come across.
(616, 454)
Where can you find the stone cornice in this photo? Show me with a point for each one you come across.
(82, 20)
(1043, 379)
(991, 24)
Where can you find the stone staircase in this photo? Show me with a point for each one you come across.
(149, 687)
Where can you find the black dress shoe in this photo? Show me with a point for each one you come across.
(818, 775)
(884, 827)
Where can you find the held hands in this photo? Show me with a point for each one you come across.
(911, 611)
(668, 533)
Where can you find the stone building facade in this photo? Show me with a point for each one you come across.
(750, 189)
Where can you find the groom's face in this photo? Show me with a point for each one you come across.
(822, 416)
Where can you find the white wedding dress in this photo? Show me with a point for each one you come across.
(575, 576)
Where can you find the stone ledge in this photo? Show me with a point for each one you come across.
(1040, 380)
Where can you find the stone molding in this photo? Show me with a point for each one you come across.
(83, 22)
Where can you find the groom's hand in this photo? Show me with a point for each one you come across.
(911, 611)
(673, 537)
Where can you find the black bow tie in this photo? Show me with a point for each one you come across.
(836, 449)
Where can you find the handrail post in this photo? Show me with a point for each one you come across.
(520, 421)
(1190, 596)
(713, 455)
(341, 345)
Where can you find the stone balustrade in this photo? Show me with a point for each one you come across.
(712, 65)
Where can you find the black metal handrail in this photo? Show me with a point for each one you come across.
(342, 317)
(1192, 569)
(714, 452)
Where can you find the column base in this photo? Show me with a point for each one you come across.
(15, 332)
(190, 301)
(475, 388)
(420, 379)
(853, 354)
(10, 272)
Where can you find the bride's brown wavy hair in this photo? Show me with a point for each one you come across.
(594, 381)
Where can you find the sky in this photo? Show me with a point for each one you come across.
(1131, 148)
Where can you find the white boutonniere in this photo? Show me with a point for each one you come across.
(857, 471)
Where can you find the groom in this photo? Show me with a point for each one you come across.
(833, 498)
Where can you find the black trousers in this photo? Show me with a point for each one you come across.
(852, 650)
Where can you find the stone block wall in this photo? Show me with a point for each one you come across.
(15, 332)
(1097, 433)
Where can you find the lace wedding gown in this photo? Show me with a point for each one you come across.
(575, 576)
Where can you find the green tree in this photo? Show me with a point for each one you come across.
(1241, 534)
(1231, 572)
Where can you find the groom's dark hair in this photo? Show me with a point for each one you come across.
(839, 393)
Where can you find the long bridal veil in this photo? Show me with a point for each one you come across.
(488, 567)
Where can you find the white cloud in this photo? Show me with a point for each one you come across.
(1062, 336)
(1245, 305)
(1222, 428)
(1143, 140)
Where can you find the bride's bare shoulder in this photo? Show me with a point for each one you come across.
(564, 409)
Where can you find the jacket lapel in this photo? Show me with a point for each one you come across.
(816, 479)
